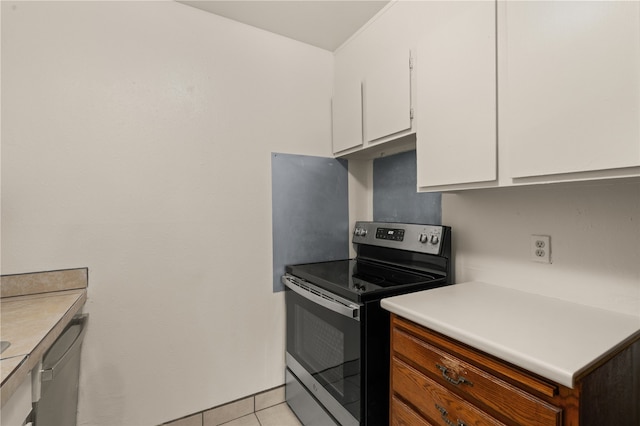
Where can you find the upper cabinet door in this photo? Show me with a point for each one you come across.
(347, 113)
(456, 95)
(387, 95)
(571, 86)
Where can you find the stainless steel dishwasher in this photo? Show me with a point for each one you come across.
(60, 375)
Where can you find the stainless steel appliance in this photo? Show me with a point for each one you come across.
(337, 344)
(60, 377)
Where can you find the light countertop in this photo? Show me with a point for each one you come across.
(556, 339)
(32, 323)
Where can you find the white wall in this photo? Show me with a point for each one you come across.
(360, 195)
(136, 142)
(595, 240)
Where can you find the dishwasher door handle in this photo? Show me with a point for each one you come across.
(325, 299)
(49, 373)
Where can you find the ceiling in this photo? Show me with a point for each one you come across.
(325, 23)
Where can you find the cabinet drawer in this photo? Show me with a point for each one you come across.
(473, 383)
(403, 415)
(435, 401)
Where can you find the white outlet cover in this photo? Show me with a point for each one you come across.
(540, 248)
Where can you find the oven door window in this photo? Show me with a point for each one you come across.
(327, 345)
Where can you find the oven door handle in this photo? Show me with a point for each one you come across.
(352, 312)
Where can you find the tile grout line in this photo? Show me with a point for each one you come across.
(255, 413)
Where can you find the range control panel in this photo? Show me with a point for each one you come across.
(390, 234)
(402, 236)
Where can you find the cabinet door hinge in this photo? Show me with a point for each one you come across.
(410, 62)
(411, 113)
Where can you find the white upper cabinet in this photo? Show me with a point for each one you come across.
(571, 87)
(372, 87)
(502, 93)
(456, 94)
(346, 107)
(387, 95)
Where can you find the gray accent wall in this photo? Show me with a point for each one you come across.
(395, 196)
(310, 211)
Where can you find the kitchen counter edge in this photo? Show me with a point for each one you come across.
(453, 311)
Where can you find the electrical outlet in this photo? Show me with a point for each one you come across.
(541, 248)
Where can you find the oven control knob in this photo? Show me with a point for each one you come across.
(434, 239)
(424, 238)
(360, 232)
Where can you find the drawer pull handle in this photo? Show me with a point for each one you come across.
(459, 381)
(444, 414)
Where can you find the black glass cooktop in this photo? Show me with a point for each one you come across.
(360, 280)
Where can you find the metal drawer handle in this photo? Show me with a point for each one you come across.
(444, 414)
(81, 320)
(459, 381)
(351, 311)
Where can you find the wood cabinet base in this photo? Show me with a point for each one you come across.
(436, 380)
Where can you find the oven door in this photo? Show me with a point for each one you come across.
(323, 347)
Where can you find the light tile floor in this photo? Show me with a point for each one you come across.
(278, 415)
(264, 409)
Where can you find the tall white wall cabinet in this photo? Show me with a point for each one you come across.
(456, 78)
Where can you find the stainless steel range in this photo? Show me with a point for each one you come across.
(337, 349)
